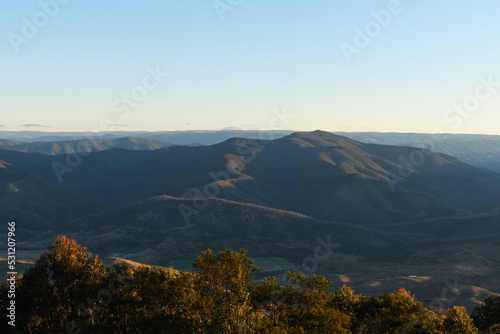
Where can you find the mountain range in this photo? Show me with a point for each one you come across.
(477, 150)
(319, 174)
(155, 203)
(83, 145)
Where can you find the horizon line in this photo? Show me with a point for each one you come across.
(246, 130)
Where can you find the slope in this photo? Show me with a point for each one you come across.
(154, 231)
(319, 174)
(84, 145)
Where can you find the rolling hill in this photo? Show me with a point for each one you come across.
(276, 198)
(318, 174)
(83, 145)
(154, 231)
(40, 203)
(477, 150)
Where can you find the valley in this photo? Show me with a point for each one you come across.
(279, 199)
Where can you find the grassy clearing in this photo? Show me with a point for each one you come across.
(278, 262)
(182, 264)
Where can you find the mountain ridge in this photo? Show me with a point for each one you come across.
(318, 174)
(83, 146)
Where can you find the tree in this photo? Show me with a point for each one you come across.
(223, 283)
(396, 312)
(300, 307)
(488, 314)
(457, 321)
(53, 292)
(495, 329)
(153, 300)
(70, 290)
(346, 300)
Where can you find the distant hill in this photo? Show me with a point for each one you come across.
(83, 145)
(194, 137)
(281, 198)
(475, 149)
(154, 231)
(209, 137)
(40, 203)
(480, 153)
(412, 139)
(318, 174)
(110, 261)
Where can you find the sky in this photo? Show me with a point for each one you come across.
(390, 66)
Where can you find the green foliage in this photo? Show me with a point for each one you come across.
(223, 281)
(488, 314)
(55, 289)
(345, 300)
(396, 312)
(457, 321)
(495, 329)
(70, 290)
(300, 307)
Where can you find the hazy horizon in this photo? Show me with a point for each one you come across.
(382, 66)
(244, 130)
(350, 150)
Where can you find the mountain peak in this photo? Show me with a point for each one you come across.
(321, 132)
(319, 138)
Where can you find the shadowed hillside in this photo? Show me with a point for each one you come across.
(321, 175)
(154, 231)
(83, 145)
(278, 198)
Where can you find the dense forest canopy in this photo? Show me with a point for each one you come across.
(70, 290)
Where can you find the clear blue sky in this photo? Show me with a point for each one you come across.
(263, 55)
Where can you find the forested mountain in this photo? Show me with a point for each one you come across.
(272, 197)
(83, 145)
(161, 233)
(318, 174)
(69, 288)
(477, 150)
(321, 175)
